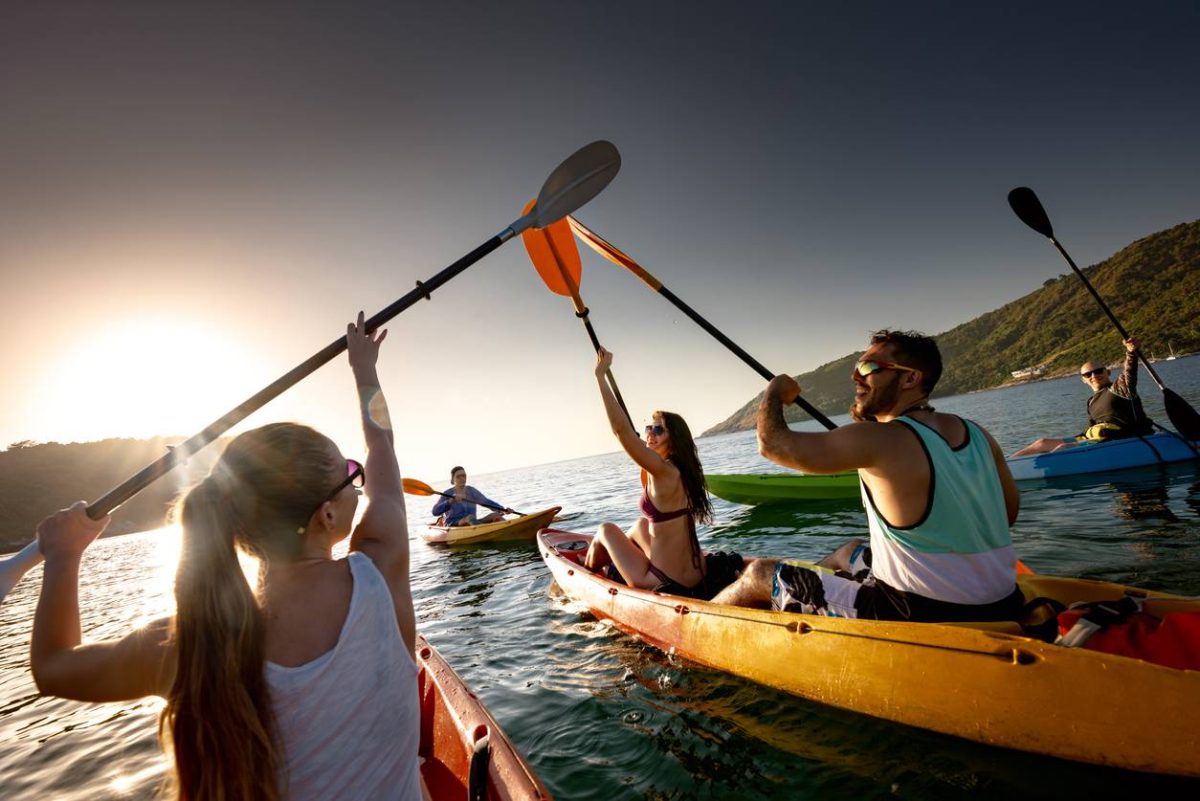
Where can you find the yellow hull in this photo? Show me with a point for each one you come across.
(982, 683)
(519, 528)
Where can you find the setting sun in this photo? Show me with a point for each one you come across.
(160, 374)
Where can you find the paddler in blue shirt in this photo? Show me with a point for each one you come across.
(938, 494)
(1114, 410)
(458, 509)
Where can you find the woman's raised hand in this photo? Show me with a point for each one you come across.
(68, 532)
(604, 361)
(362, 346)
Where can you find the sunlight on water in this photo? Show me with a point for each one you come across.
(124, 784)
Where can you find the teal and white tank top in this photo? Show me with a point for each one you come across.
(961, 550)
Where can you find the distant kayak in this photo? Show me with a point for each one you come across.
(986, 682)
(519, 528)
(1105, 457)
(1101, 457)
(756, 488)
(464, 752)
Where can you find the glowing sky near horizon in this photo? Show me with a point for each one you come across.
(196, 198)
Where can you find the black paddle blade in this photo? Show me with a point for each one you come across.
(1027, 206)
(1182, 415)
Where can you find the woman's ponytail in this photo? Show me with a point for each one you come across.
(218, 717)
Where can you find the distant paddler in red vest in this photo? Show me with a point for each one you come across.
(1114, 410)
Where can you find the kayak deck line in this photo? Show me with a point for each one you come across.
(803, 627)
(1068, 703)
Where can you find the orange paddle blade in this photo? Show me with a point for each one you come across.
(553, 252)
(414, 487)
(1024, 569)
(612, 253)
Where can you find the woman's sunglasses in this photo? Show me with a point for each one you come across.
(356, 476)
(1097, 371)
(656, 429)
(871, 366)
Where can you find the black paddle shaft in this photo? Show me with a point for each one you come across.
(612, 382)
(1120, 328)
(813, 411)
(180, 453)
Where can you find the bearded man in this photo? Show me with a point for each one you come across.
(938, 495)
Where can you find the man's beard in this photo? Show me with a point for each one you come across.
(877, 401)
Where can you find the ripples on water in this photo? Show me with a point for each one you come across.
(602, 716)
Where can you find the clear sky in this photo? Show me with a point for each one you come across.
(196, 198)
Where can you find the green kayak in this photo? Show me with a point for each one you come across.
(756, 488)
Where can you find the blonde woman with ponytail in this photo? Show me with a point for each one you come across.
(302, 687)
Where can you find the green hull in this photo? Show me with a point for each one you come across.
(756, 488)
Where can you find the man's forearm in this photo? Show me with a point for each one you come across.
(771, 423)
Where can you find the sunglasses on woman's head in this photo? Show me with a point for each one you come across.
(1097, 371)
(656, 429)
(868, 367)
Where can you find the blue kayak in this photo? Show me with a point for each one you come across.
(1104, 457)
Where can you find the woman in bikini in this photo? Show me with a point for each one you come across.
(661, 551)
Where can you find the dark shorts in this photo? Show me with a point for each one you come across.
(797, 587)
(721, 568)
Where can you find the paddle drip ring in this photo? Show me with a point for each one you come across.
(424, 291)
(582, 314)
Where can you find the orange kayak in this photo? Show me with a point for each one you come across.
(986, 682)
(464, 753)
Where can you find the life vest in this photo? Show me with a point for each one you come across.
(1122, 628)
(1125, 414)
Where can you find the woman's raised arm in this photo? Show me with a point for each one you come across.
(382, 533)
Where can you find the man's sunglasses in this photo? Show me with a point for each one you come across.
(871, 366)
(656, 429)
(1097, 371)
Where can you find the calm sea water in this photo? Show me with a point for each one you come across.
(601, 716)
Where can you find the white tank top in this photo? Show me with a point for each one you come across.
(350, 720)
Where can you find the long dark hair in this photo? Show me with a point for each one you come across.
(687, 460)
(218, 719)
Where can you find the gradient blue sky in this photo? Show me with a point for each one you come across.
(197, 197)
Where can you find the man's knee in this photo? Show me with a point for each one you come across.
(760, 573)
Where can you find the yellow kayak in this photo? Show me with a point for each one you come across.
(519, 528)
(985, 682)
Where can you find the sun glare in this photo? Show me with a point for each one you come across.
(141, 377)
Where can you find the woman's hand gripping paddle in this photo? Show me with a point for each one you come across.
(414, 487)
(573, 183)
(608, 251)
(554, 254)
(1029, 209)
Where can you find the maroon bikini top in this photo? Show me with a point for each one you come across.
(651, 513)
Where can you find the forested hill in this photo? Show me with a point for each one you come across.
(1152, 286)
(37, 479)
